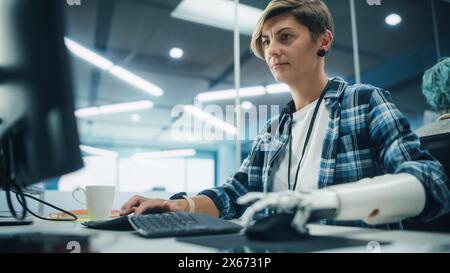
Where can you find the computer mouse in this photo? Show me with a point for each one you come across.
(117, 224)
(276, 227)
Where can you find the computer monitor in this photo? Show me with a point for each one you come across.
(439, 147)
(38, 131)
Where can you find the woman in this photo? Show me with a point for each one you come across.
(330, 134)
(436, 88)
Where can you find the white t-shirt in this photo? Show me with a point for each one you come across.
(309, 170)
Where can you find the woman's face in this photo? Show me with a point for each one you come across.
(289, 50)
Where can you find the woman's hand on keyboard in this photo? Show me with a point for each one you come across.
(141, 205)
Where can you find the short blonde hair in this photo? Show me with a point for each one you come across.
(313, 14)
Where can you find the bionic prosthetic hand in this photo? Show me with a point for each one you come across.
(380, 200)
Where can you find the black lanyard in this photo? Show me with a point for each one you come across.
(308, 135)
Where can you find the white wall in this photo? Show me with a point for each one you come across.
(132, 175)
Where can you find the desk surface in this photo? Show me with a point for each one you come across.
(112, 241)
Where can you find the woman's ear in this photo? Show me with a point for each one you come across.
(326, 40)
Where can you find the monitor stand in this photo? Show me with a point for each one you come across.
(9, 186)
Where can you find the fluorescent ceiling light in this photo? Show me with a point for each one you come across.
(277, 88)
(246, 105)
(105, 64)
(136, 81)
(165, 154)
(206, 117)
(135, 117)
(218, 13)
(88, 55)
(393, 19)
(125, 107)
(231, 94)
(113, 108)
(97, 151)
(87, 112)
(176, 53)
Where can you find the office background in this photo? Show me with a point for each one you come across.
(143, 38)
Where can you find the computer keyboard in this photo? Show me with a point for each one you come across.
(175, 224)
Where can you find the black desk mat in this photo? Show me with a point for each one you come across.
(238, 243)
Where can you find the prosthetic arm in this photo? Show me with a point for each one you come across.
(383, 199)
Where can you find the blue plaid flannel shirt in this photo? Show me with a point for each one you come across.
(366, 136)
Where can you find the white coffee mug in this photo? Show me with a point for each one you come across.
(99, 201)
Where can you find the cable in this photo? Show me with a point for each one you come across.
(9, 181)
(48, 204)
(10, 205)
(12, 186)
(9, 201)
